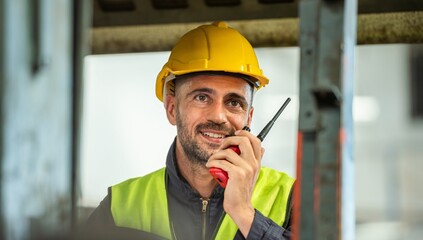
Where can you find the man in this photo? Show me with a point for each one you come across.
(207, 87)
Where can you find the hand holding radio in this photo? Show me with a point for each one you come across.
(221, 176)
(218, 174)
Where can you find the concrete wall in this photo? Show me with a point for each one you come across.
(36, 119)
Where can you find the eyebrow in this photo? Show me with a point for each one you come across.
(200, 90)
(231, 95)
(237, 96)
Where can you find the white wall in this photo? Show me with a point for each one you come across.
(388, 149)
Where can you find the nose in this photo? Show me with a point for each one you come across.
(217, 113)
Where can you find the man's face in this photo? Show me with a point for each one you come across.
(207, 109)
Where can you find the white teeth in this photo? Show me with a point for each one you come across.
(213, 135)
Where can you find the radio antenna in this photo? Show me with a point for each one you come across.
(268, 126)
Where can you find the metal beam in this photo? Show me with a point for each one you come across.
(2, 81)
(118, 13)
(81, 25)
(404, 27)
(144, 13)
(327, 37)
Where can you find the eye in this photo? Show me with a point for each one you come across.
(201, 98)
(234, 103)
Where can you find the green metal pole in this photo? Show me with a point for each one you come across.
(323, 37)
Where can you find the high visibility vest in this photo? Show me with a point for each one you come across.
(141, 203)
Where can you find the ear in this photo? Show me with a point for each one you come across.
(250, 116)
(170, 106)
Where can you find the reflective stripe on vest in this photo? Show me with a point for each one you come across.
(141, 203)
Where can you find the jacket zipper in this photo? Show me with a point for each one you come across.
(204, 211)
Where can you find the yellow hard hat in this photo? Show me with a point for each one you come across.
(211, 48)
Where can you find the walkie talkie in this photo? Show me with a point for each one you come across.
(221, 176)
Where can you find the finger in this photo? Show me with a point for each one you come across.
(244, 145)
(235, 172)
(230, 157)
(254, 142)
(225, 155)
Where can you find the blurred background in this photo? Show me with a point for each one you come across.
(79, 112)
(126, 134)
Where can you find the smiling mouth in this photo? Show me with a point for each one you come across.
(214, 135)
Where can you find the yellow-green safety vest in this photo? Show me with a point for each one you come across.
(141, 203)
